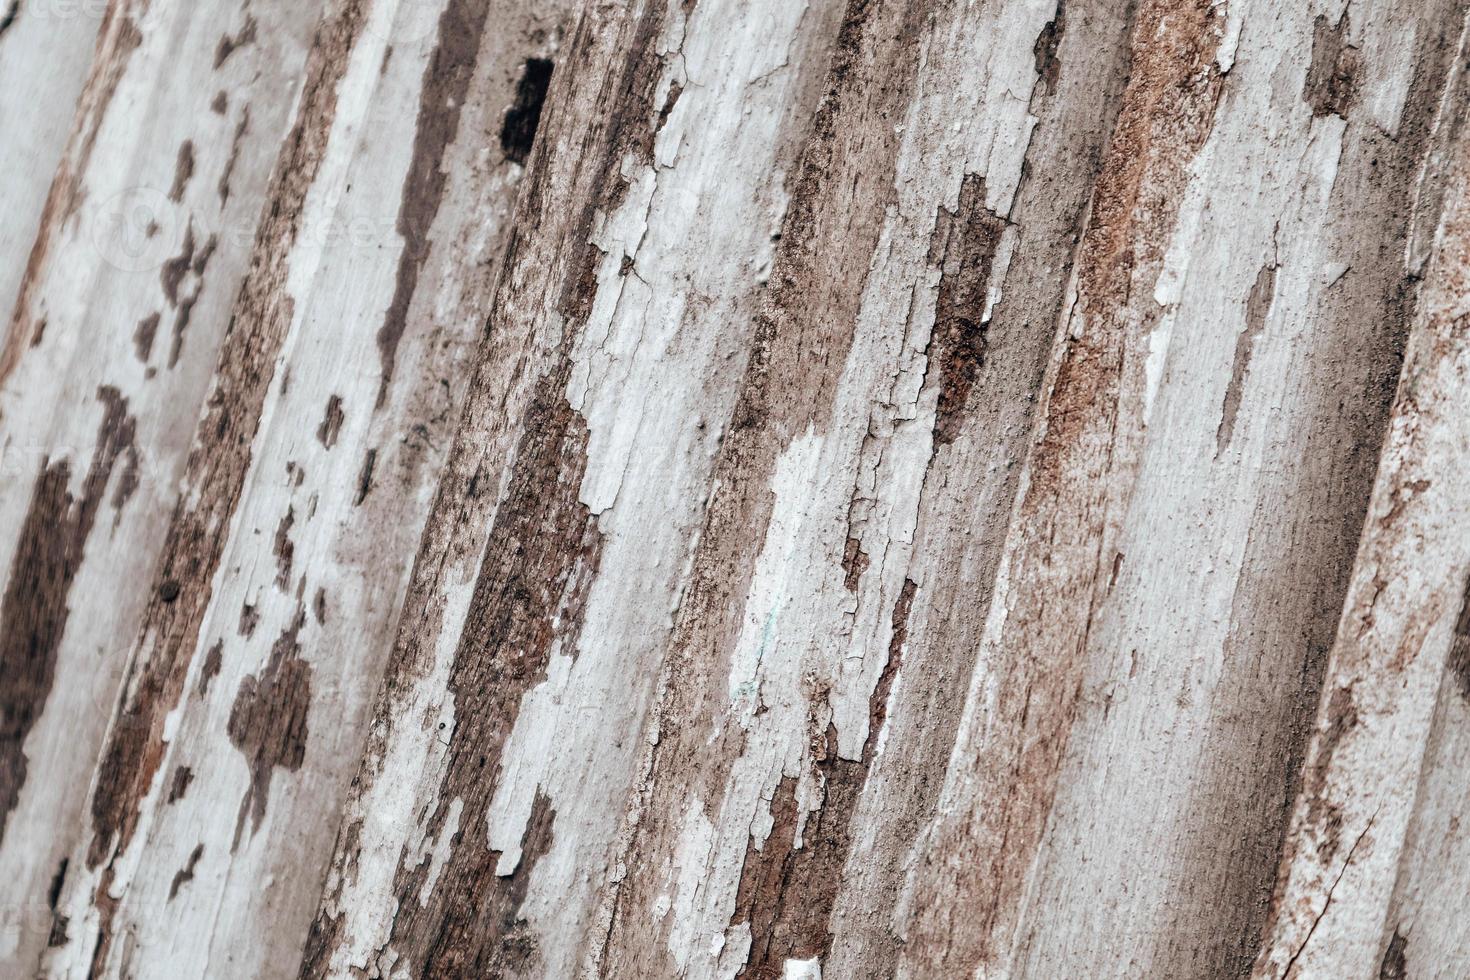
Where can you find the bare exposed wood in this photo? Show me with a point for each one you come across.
(734, 488)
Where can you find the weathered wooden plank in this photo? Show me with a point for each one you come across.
(110, 350)
(260, 702)
(1081, 59)
(1379, 795)
(1247, 497)
(608, 366)
(806, 585)
(732, 488)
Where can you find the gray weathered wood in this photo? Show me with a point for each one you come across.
(735, 488)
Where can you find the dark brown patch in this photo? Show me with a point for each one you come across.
(326, 433)
(284, 550)
(1395, 965)
(183, 171)
(786, 893)
(143, 336)
(1048, 66)
(171, 274)
(1342, 718)
(854, 562)
(268, 722)
(1257, 306)
(212, 663)
(878, 702)
(59, 922)
(518, 132)
(365, 477)
(249, 619)
(445, 84)
(51, 546)
(59, 926)
(106, 906)
(671, 100)
(1458, 662)
(188, 264)
(183, 776)
(1332, 78)
(127, 484)
(228, 44)
(11, 12)
(185, 874)
(319, 606)
(53, 894)
(220, 104)
(763, 877)
(854, 559)
(963, 247)
(459, 949)
(241, 129)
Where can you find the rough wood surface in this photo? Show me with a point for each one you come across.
(734, 488)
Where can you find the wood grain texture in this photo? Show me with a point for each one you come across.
(734, 488)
